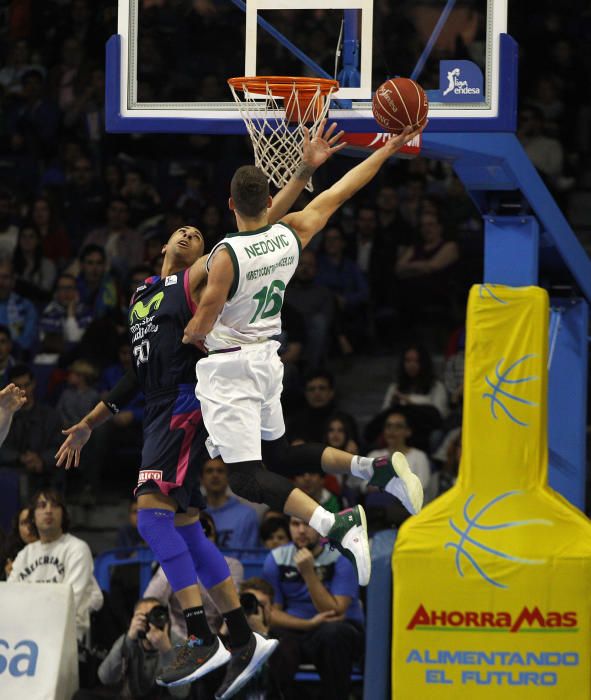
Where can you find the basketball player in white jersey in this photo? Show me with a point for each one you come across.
(240, 382)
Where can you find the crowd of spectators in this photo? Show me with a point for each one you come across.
(83, 217)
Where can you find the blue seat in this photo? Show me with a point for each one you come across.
(252, 559)
(307, 674)
(124, 556)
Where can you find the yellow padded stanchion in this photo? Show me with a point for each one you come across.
(492, 581)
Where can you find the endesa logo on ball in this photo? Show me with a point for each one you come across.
(528, 619)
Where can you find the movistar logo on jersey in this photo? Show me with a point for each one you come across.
(140, 310)
(281, 240)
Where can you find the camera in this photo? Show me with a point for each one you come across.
(158, 616)
(249, 603)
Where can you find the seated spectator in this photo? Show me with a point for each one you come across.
(236, 523)
(141, 198)
(453, 376)
(341, 433)
(16, 312)
(54, 237)
(308, 424)
(34, 437)
(443, 480)
(316, 616)
(64, 320)
(424, 273)
(6, 358)
(316, 305)
(96, 287)
(84, 201)
(137, 657)
(123, 245)
(11, 400)
(19, 537)
(346, 280)
(160, 588)
(312, 483)
(80, 395)
(274, 532)
(397, 434)
(58, 557)
(419, 392)
(35, 274)
(38, 117)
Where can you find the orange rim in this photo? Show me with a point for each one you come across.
(282, 86)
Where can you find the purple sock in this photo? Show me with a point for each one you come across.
(208, 561)
(156, 526)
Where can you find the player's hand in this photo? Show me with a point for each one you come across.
(319, 149)
(304, 561)
(397, 142)
(12, 398)
(191, 337)
(68, 454)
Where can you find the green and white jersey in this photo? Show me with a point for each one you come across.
(264, 261)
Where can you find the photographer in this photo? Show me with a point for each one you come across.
(256, 598)
(137, 657)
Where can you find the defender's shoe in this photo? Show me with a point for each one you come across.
(349, 536)
(193, 660)
(395, 476)
(244, 663)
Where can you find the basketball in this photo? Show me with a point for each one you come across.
(400, 102)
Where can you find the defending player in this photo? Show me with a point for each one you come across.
(173, 448)
(239, 383)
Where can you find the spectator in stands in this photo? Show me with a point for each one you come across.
(141, 198)
(128, 535)
(316, 615)
(419, 392)
(397, 434)
(341, 433)
(20, 535)
(38, 118)
(424, 272)
(16, 312)
(58, 557)
(96, 287)
(274, 532)
(137, 658)
(308, 424)
(6, 358)
(64, 320)
(236, 523)
(80, 395)
(392, 229)
(292, 340)
(346, 280)
(312, 483)
(316, 305)
(35, 274)
(34, 436)
(123, 245)
(17, 63)
(453, 376)
(8, 227)
(55, 239)
(84, 201)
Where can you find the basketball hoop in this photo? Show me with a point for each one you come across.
(275, 110)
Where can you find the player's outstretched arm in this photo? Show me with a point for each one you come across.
(78, 435)
(213, 298)
(315, 152)
(308, 222)
(11, 399)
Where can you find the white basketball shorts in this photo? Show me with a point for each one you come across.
(240, 395)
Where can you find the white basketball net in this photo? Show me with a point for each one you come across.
(278, 142)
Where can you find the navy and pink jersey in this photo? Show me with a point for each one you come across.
(159, 311)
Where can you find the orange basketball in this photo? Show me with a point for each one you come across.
(400, 102)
